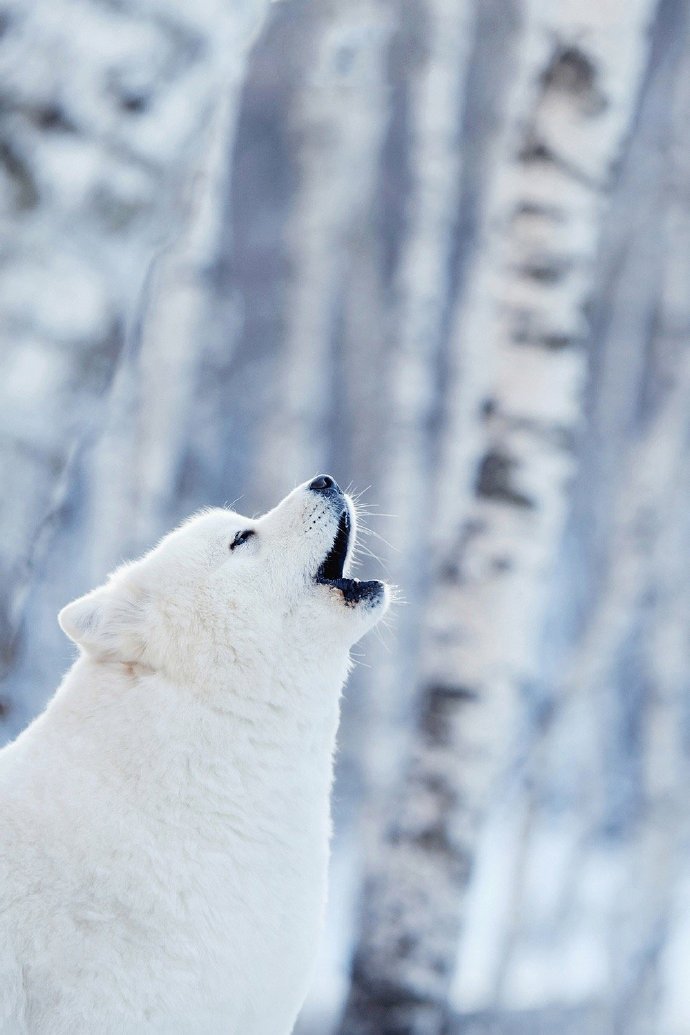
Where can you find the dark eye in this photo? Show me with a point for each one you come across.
(242, 537)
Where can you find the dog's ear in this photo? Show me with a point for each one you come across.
(109, 622)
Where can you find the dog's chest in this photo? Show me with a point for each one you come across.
(209, 916)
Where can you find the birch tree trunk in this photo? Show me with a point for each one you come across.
(541, 945)
(522, 371)
(588, 907)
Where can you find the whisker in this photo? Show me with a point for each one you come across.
(370, 531)
(385, 643)
(396, 596)
(371, 514)
(362, 549)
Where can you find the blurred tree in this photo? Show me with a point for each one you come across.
(605, 781)
(513, 415)
(106, 110)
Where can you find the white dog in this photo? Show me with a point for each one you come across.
(164, 825)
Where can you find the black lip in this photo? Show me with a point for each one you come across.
(334, 562)
(354, 591)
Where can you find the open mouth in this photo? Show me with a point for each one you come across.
(333, 565)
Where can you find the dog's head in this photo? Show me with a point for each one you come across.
(224, 589)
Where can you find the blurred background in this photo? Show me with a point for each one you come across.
(439, 249)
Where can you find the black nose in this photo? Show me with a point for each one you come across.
(324, 482)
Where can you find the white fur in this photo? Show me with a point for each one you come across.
(164, 824)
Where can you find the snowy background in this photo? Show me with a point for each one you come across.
(439, 249)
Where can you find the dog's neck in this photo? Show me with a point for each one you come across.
(158, 739)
